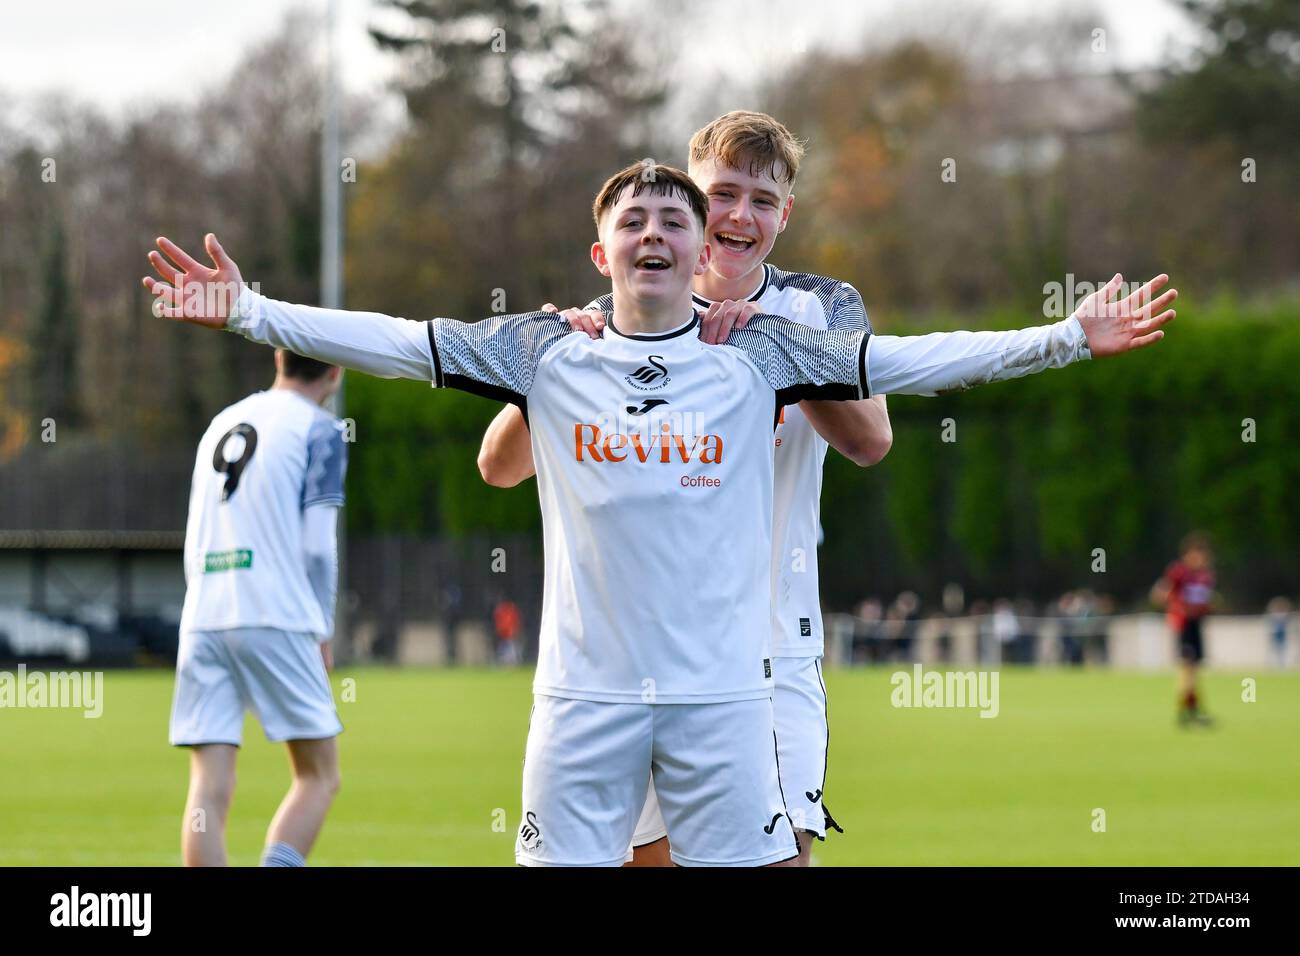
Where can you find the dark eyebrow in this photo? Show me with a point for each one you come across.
(641, 210)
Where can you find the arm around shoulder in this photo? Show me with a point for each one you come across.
(860, 431)
(506, 456)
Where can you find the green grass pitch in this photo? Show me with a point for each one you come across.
(431, 774)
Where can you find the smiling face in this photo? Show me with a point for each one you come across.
(651, 245)
(747, 211)
(746, 163)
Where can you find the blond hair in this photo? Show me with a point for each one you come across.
(745, 140)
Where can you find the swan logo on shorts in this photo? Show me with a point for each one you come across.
(530, 834)
(650, 378)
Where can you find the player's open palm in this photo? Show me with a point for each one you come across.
(191, 291)
(1120, 325)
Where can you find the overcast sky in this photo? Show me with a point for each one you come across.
(129, 52)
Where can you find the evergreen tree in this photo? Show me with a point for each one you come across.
(53, 337)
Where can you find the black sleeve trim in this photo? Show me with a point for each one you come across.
(463, 383)
(433, 348)
(862, 366)
(818, 393)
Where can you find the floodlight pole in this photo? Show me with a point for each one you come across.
(331, 272)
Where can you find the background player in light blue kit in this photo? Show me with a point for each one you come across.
(261, 572)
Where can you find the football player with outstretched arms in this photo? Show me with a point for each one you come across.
(654, 461)
(746, 164)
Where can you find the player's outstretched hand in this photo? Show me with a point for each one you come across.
(191, 291)
(1125, 324)
(721, 317)
(591, 321)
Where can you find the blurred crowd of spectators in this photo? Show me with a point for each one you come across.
(1007, 630)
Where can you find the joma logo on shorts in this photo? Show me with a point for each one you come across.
(590, 440)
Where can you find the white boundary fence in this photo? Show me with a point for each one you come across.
(1126, 641)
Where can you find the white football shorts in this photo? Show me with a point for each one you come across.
(279, 675)
(802, 735)
(650, 825)
(714, 768)
(802, 738)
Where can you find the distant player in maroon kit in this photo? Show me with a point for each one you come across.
(1187, 593)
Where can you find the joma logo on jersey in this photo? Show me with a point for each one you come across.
(646, 405)
(650, 377)
(664, 447)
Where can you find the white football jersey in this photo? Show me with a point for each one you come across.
(654, 470)
(820, 303)
(654, 459)
(261, 462)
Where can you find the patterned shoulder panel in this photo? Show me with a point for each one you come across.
(842, 303)
(497, 357)
(817, 363)
(327, 461)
